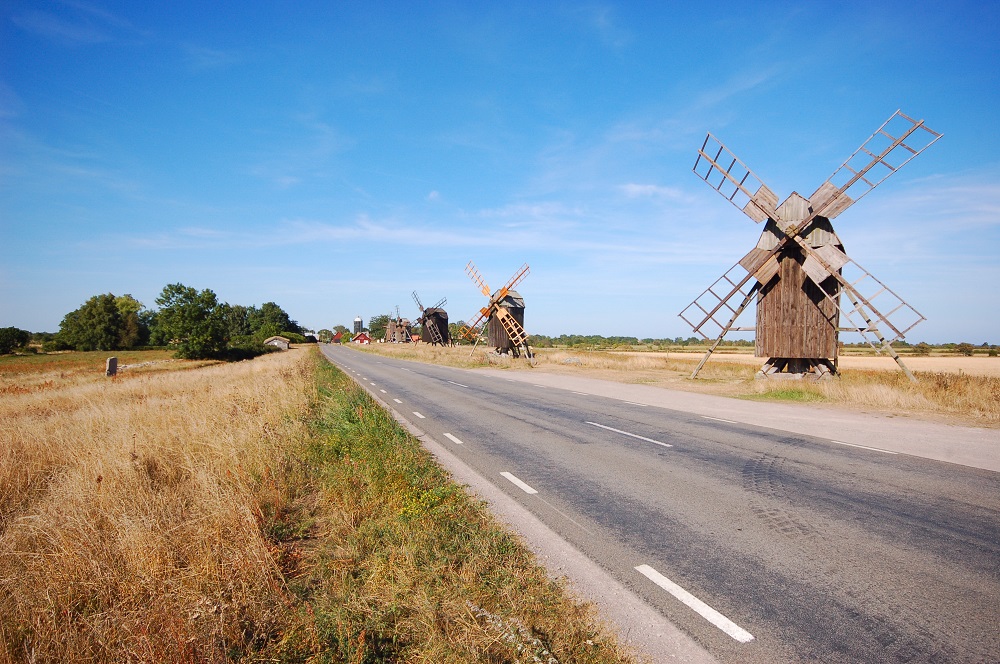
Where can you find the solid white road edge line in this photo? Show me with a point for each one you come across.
(864, 447)
(419, 415)
(524, 487)
(699, 607)
(718, 419)
(626, 433)
(453, 439)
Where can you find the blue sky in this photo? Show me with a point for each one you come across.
(334, 156)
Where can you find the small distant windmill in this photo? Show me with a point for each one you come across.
(503, 314)
(403, 329)
(799, 273)
(433, 322)
(390, 329)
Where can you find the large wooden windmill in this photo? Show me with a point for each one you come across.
(803, 281)
(433, 322)
(503, 315)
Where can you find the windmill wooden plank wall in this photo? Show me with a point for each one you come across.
(790, 326)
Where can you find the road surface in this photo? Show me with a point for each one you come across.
(759, 545)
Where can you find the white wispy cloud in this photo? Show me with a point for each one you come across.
(202, 57)
(84, 24)
(59, 29)
(634, 190)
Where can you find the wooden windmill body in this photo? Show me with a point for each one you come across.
(497, 335)
(503, 315)
(398, 329)
(390, 329)
(433, 322)
(804, 284)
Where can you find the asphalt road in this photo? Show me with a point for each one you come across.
(758, 544)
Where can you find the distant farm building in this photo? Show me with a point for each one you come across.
(361, 338)
(277, 342)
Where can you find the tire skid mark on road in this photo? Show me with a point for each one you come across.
(764, 478)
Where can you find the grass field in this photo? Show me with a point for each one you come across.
(259, 511)
(959, 390)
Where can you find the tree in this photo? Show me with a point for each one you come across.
(134, 332)
(965, 348)
(12, 338)
(270, 320)
(96, 325)
(237, 320)
(192, 322)
(325, 335)
(377, 326)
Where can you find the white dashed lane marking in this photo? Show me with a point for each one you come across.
(698, 606)
(419, 415)
(453, 439)
(518, 483)
(864, 447)
(633, 435)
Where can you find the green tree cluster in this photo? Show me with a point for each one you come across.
(193, 322)
(377, 326)
(104, 322)
(13, 338)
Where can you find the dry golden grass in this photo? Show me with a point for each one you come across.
(127, 522)
(260, 511)
(953, 389)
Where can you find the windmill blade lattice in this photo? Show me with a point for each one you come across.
(729, 176)
(894, 144)
(711, 313)
(470, 269)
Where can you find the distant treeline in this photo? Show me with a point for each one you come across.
(193, 323)
(596, 341)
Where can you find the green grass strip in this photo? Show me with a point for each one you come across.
(387, 560)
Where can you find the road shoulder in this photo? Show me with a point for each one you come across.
(967, 446)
